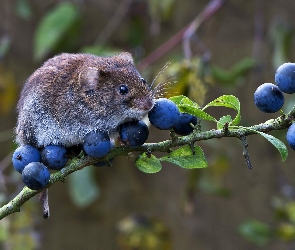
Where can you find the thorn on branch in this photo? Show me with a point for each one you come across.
(245, 151)
(148, 153)
(225, 128)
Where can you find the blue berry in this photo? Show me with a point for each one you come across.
(285, 78)
(105, 163)
(54, 156)
(24, 155)
(36, 175)
(269, 98)
(183, 124)
(291, 136)
(96, 144)
(164, 114)
(134, 133)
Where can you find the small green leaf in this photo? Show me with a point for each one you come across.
(228, 101)
(277, 143)
(256, 232)
(148, 164)
(223, 120)
(83, 187)
(186, 158)
(185, 105)
(52, 28)
(183, 100)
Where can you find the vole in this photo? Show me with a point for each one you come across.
(73, 94)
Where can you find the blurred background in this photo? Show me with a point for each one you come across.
(211, 48)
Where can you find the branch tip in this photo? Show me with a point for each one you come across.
(246, 152)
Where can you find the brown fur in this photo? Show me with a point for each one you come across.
(73, 94)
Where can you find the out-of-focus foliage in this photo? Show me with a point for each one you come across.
(24, 9)
(161, 9)
(234, 75)
(281, 36)
(192, 77)
(212, 181)
(8, 90)
(185, 78)
(58, 29)
(282, 226)
(4, 46)
(139, 232)
(83, 188)
(18, 232)
(256, 232)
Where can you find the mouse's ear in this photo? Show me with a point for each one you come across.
(89, 78)
(125, 57)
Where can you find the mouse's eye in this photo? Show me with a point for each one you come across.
(123, 90)
(143, 80)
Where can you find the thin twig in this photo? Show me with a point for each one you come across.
(208, 11)
(114, 22)
(245, 151)
(177, 38)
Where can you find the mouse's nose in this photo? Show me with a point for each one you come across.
(145, 104)
(148, 105)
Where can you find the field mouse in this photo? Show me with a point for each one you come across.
(73, 94)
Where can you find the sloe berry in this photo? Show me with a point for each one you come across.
(96, 144)
(54, 156)
(24, 155)
(36, 175)
(164, 114)
(285, 78)
(134, 133)
(183, 124)
(269, 98)
(291, 136)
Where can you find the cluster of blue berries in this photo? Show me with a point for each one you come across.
(269, 97)
(165, 115)
(35, 164)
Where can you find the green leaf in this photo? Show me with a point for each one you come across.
(185, 105)
(256, 232)
(53, 27)
(83, 187)
(228, 101)
(183, 100)
(186, 158)
(224, 120)
(148, 164)
(277, 143)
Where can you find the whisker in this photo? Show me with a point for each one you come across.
(160, 73)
